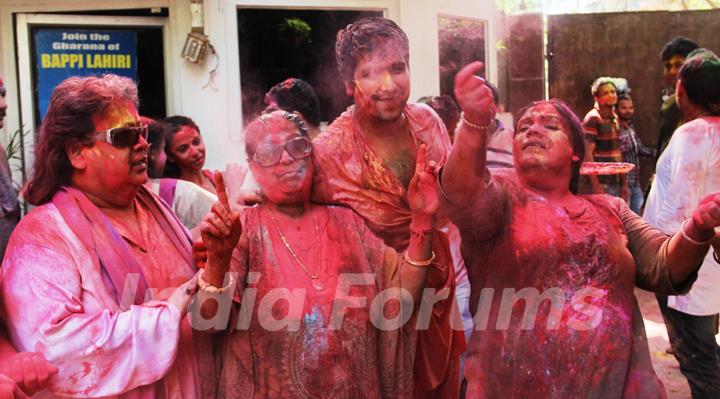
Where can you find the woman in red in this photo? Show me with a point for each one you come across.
(185, 151)
(552, 273)
(321, 337)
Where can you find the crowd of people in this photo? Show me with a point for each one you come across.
(380, 257)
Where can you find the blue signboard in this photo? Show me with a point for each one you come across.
(61, 53)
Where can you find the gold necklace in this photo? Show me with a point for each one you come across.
(314, 279)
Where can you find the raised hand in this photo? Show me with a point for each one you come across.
(199, 253)
(29, 370)
(707, 215)
(10, 390)
(182, 295)
(220, 228)
(474, 97)
(422, 193)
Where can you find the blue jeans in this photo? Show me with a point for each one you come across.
(636, 198)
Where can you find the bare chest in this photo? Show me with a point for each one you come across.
(399, 159)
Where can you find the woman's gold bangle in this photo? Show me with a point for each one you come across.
(421, 263)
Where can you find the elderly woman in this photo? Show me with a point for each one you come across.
(90, 279)
(571, 262)
(321, 338)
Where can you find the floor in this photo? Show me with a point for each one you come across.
(665, 364)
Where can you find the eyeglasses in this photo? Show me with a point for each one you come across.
(270, 154)
(123, 137)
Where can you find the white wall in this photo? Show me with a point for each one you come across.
(216, 107)
(419, 19)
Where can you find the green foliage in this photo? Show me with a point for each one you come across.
(300, 30)
(13, 152)
(13, 148)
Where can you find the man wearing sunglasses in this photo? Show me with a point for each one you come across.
(365, 161)
(99, 275)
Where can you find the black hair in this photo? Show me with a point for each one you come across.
(575, 134)
(295, 94)
(360, 38)
(174, 124)
(700, 77)
(679, 45)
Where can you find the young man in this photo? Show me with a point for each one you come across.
(602, 137)
(687, 170)
(365, 161)
(632, 148)
(672, 57)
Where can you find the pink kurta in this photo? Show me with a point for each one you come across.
(349, 173)
(576, 329)
(56, 303)
(311, 358)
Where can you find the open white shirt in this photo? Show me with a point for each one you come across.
(687, 171)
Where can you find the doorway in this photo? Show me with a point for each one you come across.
(53, 47)
(276, 44)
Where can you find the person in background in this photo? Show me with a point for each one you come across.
(189, 201)
(9, 204)
(99, 275)
(632, 148)
(500, 142)
(687, 171)
(447, 110)
(185, 150)
(672, 56)
(602, 137)
(296, 95)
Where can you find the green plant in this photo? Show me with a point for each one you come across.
(299, 30)
(14, 152)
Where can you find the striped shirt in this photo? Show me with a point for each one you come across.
(499, 148)
(605, 133)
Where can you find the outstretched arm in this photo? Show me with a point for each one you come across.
(465, 173)
(688, 247)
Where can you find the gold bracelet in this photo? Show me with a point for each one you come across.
(422, 263)
(690, 240)
(475, 126)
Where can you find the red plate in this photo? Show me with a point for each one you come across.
(605, 168)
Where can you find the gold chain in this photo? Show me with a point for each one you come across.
(289, 248)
